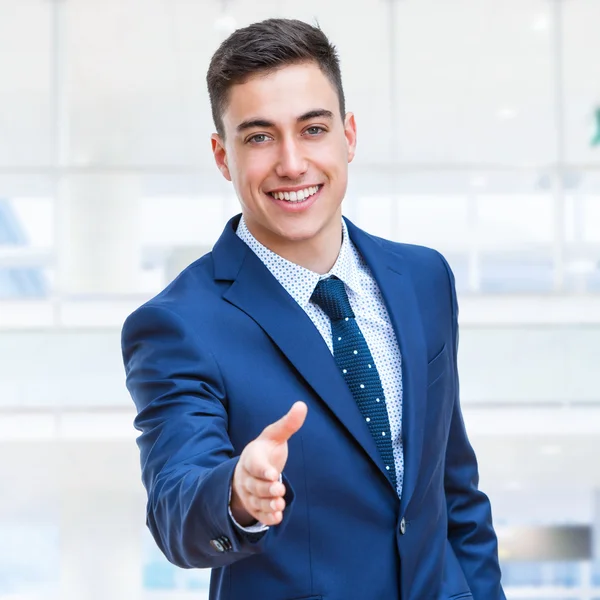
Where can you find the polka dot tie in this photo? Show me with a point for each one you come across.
(354, 359)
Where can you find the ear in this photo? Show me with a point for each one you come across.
(220, 154)
(350, 133)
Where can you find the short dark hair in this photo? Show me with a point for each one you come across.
(265, 47)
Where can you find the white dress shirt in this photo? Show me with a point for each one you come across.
(371, 316)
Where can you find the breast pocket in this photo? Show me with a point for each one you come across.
(439, 406)
(437, 366)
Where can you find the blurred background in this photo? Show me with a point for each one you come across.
(479, 135)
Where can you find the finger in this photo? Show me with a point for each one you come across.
(266, 505)
(264, 489)
(270, 518)
(258, 467)
(281, 431)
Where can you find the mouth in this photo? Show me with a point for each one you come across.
(298, 197)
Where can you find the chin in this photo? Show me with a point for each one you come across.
(301, 232)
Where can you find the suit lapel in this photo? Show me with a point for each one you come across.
(256, 292)
(398, 292)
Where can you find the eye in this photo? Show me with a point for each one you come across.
(259, 138)
(315, 130)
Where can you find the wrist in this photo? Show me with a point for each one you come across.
(238, 511)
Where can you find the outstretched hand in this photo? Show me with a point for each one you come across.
(257, 494)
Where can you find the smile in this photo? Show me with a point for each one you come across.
(298, 196)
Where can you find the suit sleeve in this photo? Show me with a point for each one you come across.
(187, 458)
(470, 530)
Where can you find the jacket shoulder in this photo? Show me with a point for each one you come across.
(426, 266)
(415, 255)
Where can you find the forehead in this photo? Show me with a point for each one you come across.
(280, 96)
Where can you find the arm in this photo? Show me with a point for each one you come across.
(186, 455)
(470, 529)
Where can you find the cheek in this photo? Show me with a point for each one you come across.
(252, 171)
(335, 168)
(334, 158)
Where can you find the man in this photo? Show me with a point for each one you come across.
(296, 388)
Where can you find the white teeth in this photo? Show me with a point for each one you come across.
(298, 196)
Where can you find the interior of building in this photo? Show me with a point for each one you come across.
(479, 135)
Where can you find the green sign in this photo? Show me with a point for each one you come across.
(596, 138)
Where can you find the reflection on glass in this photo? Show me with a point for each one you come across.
(29, 559)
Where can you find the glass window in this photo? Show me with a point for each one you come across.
(581, 93)
(160, 574)
(475, 82)
(26, 127)
(29, 559)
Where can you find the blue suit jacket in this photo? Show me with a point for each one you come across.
(224, 351)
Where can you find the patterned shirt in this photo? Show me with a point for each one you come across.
(371, 316)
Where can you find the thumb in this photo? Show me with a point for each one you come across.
(281, 431)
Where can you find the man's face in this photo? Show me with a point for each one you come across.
(287, 152)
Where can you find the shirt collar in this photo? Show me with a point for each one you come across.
(347, 265)
(303, 281)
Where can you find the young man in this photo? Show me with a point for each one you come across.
(296, 388)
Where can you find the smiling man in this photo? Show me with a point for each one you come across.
(297, 387)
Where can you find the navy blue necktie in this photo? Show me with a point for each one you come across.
(354, 359)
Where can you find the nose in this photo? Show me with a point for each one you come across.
(292, 163)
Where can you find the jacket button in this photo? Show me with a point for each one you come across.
(403, 526)
(221, 544)
(226, 543)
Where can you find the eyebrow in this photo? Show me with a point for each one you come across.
(259, 122)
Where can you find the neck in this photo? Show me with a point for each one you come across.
(317, 253)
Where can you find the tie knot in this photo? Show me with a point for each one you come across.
(330, 295)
